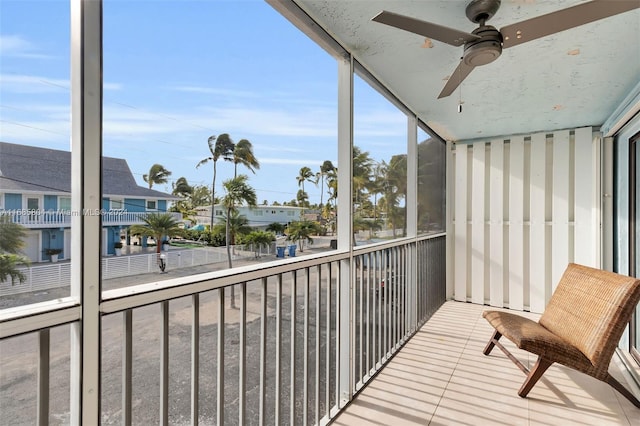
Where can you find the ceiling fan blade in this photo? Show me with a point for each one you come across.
(461, 72)
(437, 32)
(564, 19)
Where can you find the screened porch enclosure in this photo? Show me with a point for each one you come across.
(343, 335)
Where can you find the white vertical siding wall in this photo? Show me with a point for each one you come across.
(477, 224)
(537, 224)
(560, 205)
(460, 225)
(524, 207)
(516, 223)
(496, 224)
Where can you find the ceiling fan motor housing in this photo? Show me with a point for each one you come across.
(483, 51)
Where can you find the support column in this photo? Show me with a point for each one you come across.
(411, 204)
(86, 195)
(412, 176)
(345, 225)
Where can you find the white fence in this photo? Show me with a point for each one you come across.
(53, 275)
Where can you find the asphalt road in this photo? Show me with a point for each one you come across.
(18, 373)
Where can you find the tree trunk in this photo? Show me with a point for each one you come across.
(213, 196)
(228, 244)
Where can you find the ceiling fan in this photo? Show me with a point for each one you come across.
(484, 44)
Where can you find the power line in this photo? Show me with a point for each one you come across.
(15, 123)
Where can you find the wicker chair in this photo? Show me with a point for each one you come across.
(580, 327)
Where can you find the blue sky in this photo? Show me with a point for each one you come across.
(176, 72)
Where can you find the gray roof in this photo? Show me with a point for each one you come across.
(29, 168)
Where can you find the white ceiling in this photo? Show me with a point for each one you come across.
(541, 85)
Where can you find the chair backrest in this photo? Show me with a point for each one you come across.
(590, 309)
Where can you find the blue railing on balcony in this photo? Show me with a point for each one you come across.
(260, 344)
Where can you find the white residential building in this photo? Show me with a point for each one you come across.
(259, 217)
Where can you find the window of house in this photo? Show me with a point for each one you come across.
(273, 212)
(218, 212)
(117, 204)
(33, 203)
(151, 205)
(291, 213)
(258, 212)
(64, 203)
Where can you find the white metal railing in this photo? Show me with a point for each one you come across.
(53, 275)
(270, 357)
(62, 218)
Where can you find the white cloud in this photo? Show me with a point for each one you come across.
(291, 161)
(214, 91)
(17, 46)
(184, 128)
(280, 149)
(298, 122)
(379, 123)
(111, 86)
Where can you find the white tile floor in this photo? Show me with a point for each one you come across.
(441, 377)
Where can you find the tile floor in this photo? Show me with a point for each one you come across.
(441, 378)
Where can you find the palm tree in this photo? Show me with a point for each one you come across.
(276, 227)
(328, 217)
(181, 187)
(376, 184)
(158, 226)
(200, 196)
(305, 174)
(222, 146)
(302, 198)
(395, 189)
(301, 231)
(326, 167)
(361, 172)
(243, 154)
(258, 239)
(238, 226)
(238, 191)
(157, 175)
(11, 244)
(332, 185)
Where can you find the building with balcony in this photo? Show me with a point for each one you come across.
(35, 191)
(540, 153)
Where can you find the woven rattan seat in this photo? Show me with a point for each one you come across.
(580, 327)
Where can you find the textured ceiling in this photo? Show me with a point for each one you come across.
(571, 79)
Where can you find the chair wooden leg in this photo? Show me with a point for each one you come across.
(492, 342)
(624, 391)
(536, 372)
